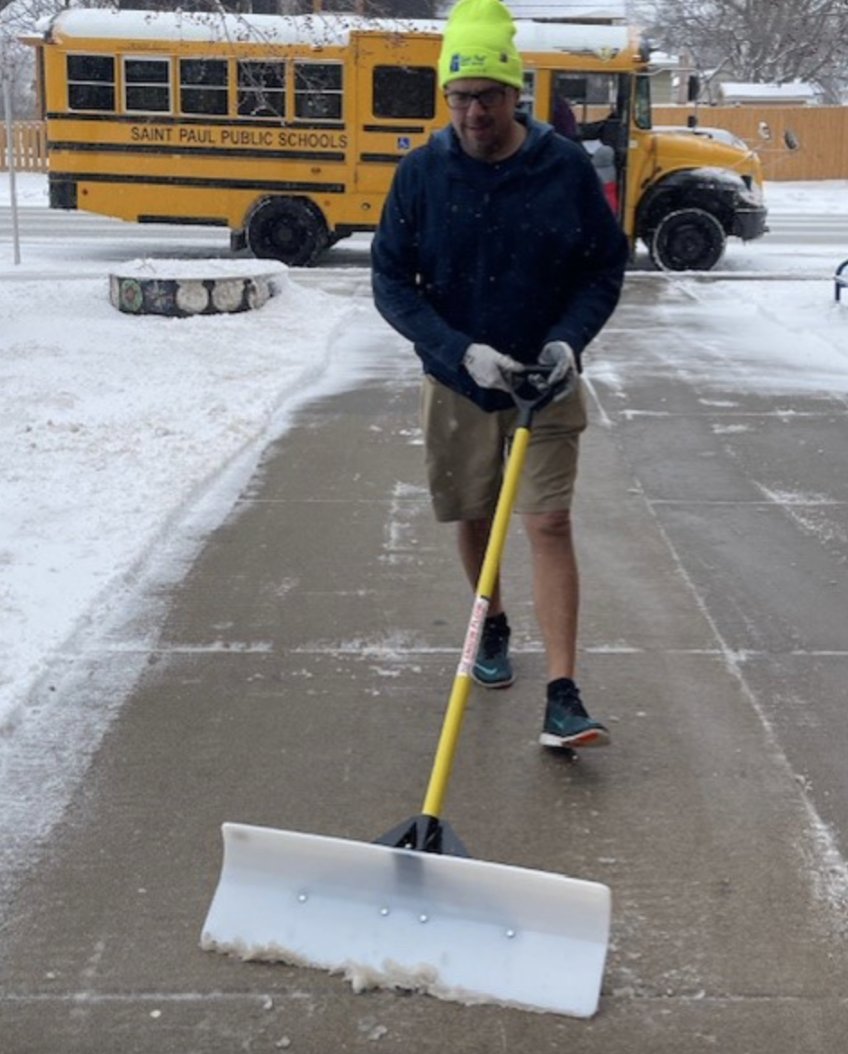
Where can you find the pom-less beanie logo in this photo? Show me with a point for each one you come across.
(469, 63)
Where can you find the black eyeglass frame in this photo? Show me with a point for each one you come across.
(487, 98)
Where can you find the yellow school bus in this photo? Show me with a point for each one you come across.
(287, 129)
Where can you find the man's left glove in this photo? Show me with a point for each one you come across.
(563, 376)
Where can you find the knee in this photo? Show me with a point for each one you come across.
(474, 531)
(547, 528)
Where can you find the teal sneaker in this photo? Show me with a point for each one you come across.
(492, 667)
(567, 725)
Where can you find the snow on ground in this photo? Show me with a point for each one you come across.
(124, 440)
(828, 196)
(112, 425)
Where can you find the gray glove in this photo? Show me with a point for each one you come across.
(489, 368)
(563, 375)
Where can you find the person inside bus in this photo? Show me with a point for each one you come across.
(496, 249)
(606, 131)
(563, 119)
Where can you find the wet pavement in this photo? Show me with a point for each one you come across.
(299, 677)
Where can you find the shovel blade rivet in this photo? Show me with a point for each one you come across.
(510, 934)
(423, 918)
(384, 911)
(303, 897)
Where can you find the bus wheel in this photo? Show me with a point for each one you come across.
(288, 229)
(687, 240)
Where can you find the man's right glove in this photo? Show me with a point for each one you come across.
(489, 368)
(563, 376)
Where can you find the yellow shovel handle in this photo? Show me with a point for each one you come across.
(446, 750)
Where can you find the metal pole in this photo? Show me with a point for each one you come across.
(6, 75)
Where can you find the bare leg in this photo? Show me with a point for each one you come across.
(556, 588)
(472, 537)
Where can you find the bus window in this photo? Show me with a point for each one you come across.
(318, 90)
(91, 82)
(203, 86)
(262, 89)
(589, 106)
(404, 91)
(147, 85)
(528, 93)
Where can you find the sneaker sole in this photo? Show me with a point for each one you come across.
(592, 737)
(492, 684)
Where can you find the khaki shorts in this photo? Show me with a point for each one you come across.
(466, 450)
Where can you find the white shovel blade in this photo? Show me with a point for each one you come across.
(456, 928)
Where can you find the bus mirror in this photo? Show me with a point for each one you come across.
(790, 140)
(693, 88)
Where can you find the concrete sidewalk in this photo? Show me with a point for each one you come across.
(299, 681)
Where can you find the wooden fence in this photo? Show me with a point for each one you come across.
(821, 130)
(29, 146)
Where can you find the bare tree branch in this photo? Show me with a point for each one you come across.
(765, 41)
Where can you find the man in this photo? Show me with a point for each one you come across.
(496, 248)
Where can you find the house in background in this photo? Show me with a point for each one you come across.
(670, 78)
(740, 93)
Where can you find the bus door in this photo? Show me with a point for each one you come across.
(593, 109)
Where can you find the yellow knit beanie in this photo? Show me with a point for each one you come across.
(478, 42)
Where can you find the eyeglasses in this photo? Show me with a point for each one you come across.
(461, 100)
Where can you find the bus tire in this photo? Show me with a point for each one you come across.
(291, 230)
(687, 240)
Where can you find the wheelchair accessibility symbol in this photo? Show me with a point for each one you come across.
(404, 142)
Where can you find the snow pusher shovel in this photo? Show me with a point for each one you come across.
(412, 910)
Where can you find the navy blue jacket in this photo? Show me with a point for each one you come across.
(512, 255)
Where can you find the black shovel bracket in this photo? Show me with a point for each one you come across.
(425, 834)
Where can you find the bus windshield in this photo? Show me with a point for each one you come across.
(642, 107)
